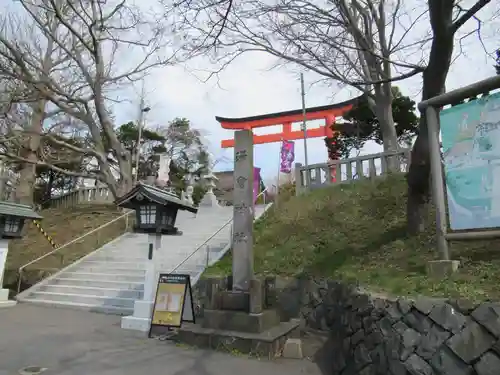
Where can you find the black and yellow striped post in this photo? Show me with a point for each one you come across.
(45, 234)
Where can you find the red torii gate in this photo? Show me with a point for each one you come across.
(326, 112)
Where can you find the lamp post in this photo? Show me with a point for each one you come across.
(142, 110)
(156, 213)
(12, 217)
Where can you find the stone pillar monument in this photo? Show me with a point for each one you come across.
(243, 211)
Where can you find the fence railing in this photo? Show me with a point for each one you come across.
(84, 195)
(77, 248)
(8, 182)
(316, 176)
(95, 194)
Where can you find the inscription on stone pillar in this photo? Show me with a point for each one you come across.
(242, 212)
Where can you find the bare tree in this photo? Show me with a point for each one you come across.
(359, 43)
(446, 18)
(70, 64)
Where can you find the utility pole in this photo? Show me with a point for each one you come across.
(140, 124)
(304, 128)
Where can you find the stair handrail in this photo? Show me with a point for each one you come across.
(21, 269)
(202, 245)
(212, 236)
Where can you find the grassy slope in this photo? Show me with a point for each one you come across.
(357, 233)
(63, 225)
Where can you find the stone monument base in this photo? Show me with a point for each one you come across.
(244, 322)
(209, 200)
(240, 321)
(267, 344)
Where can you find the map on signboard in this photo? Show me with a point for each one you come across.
(471, 151)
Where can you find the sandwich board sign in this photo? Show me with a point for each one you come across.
(173, 302)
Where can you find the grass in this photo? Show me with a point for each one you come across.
(357, 233)
(63, 225)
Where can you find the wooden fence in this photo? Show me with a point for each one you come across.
(316, 176)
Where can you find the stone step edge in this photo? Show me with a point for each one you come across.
(91, 287)
(92, 280)
(82, 295)
(96, 274)
(112, 310)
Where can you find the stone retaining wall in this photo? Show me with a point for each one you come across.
(373, 335)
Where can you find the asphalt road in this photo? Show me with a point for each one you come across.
(70, 342)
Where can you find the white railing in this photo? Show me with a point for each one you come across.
(83, 195)
(316, 176)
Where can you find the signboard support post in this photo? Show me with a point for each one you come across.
(437, 181)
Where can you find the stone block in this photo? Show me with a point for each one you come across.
(256, 298)
(418, 322)
(240, 321)
(373, 339)
(416, 365)
(410, 340)
(357, 337)
(431, 342)
(404, 305)
(440, 269)
(444, 361)
(213, 286)
(463, 305)
(471, 343)
(400, 327)
(234, 301)
(267, 344)
(293, 349)
(488, 315)
(425, 305)
(361, 356)
(448, 317)
(489, 364)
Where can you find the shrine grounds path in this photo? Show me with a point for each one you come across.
(70, 342)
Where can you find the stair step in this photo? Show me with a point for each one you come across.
(85, 299)
(116, 264)
(98, 283)
(92, 291)
(114, 310)
(101, 276)
(103, 269)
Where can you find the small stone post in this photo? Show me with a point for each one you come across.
(242, 271)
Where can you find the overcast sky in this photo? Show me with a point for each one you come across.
(249, 87)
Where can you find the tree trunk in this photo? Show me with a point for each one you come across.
(434, 79)
(27, 175)
(388, 130)
(49, 187)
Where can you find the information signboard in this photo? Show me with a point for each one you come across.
(173, 302)
(471, 152)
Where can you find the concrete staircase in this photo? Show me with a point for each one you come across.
(111, 279)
